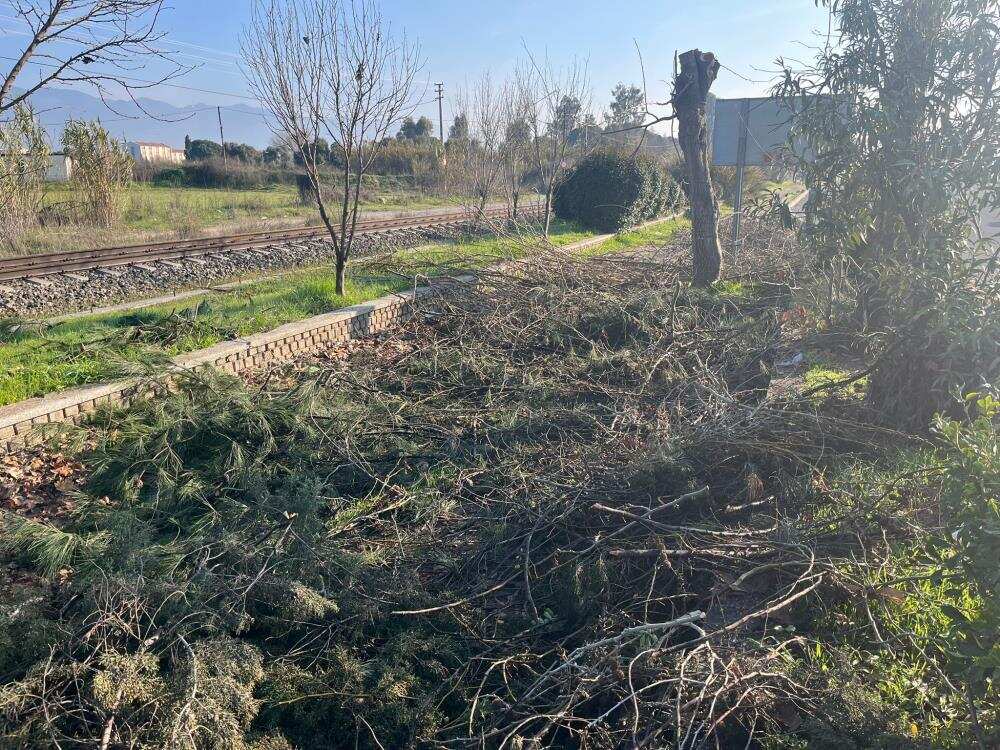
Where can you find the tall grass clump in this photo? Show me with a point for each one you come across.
(102, 168)
(24, 159)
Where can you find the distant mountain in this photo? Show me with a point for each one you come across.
(150, 119)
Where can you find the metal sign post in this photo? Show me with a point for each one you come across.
(741, 160)
(747, 132)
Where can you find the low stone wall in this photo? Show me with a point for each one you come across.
(18, 421)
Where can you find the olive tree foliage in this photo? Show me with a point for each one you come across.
(901, 116)
(902, 119)
(24, 157)
(556, 99)
(326, 69)
(102, 167)
(101, 43)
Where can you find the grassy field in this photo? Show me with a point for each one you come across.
(102, 347)
(786, 188)
(154, 212)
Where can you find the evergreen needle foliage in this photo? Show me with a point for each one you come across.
(563, 508)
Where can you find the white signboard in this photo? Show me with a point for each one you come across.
(756, 127)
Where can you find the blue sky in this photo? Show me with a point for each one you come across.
(462, 38)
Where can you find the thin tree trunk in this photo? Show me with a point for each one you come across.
(317, 187)
(481, 208)
(548, 210)
(341, 264)
(697, 74)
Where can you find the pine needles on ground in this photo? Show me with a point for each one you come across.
(566, 508)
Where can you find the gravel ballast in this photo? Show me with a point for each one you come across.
(85, 290)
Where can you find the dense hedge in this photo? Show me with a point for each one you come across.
(215, 173)
(611, 190)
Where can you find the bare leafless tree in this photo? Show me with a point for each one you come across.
(556, 98)
(332, 70)
(517, 146)
(102, 43)
(484, 105)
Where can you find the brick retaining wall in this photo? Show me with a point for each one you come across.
(253, 352)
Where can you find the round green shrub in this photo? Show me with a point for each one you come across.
(611, 190)
(170, 177)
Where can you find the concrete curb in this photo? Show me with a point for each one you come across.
(18, 421)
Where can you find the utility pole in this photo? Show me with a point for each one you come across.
(440, 97)
(222, 137)
(439, 87)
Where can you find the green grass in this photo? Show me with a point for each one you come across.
(731, 289)
(98, 348)
(651, 235)
(786, 188)
(153, 208)
(154, 212)
(822, 373)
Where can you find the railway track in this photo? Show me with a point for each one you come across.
(50, 264)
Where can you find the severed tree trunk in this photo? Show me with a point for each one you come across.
(697, 74)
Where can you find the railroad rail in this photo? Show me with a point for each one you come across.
(49, 264)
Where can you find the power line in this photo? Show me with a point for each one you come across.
(60, 40)
(191, 112)
(206, 49)
(133, 79)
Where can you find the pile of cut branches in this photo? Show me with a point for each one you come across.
(570, 512)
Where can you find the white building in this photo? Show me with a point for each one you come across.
(155, 152)
(60, 167)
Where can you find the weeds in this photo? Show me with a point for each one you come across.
(542, 517)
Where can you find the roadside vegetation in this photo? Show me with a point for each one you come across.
(575, 472)
(585, 501)
(38, 358)
(154, 211)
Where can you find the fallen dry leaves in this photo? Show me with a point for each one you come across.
(38, 483)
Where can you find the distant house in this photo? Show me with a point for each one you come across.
(155, 152)
(60, 167)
